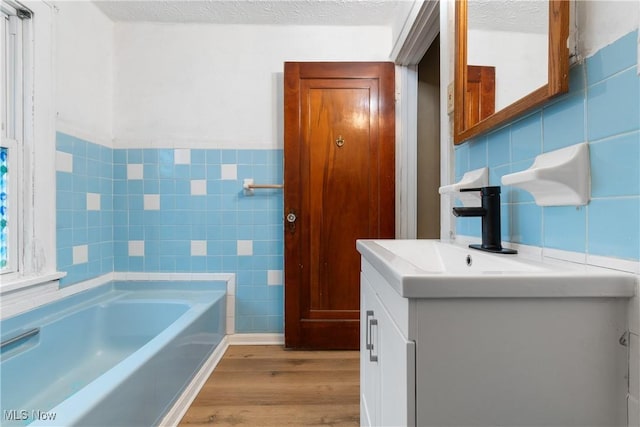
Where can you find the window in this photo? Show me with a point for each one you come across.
(27, 144)
(11, 138)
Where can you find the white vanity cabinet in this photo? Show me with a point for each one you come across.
(539, 355)
(387, 364)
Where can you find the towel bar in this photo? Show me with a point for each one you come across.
(20, 337)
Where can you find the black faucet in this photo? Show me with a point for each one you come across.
(490, 213)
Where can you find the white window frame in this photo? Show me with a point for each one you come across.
(36, 262)
(12, 108)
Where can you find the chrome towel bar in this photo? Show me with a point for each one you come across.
(248, 186)
(252, 186)
(20, 337)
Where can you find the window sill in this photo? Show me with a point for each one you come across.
(15, 283)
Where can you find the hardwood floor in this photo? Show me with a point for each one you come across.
(270, 386)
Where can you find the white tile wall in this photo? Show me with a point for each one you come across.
(182, 156)
(198, 187)
(134, 171)
(93, 201)
(64, 162)
(274, 277)
(245, 247)
(229, 172)
(198, 248)
(80, 254)
(136, 247)
(151, 202)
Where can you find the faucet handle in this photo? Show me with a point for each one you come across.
(486, 191)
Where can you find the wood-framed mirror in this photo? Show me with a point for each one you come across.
(511, 56)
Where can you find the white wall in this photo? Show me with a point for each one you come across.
(602, 22)
(219, 85)
(84, 71)
(520, 60)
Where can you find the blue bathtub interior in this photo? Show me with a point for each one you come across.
(102, 356)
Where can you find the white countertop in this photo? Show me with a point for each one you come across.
(434, 269)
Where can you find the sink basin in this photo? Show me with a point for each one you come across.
(435, 269)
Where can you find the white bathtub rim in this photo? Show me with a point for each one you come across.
(11, 306)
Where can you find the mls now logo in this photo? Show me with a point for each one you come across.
(24, 415)
(16, 415)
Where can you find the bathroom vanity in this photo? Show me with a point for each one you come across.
(452, 336)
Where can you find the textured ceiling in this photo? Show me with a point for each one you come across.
(273, 12)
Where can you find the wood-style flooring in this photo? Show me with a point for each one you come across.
(270, 386)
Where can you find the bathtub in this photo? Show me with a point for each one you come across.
(117, 355)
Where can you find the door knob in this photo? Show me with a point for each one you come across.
(291, 219)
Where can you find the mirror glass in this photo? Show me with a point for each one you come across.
(512, 37)
(511, 55)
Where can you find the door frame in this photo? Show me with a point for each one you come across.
(431, 18)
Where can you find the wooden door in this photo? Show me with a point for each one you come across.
(339, 183)
(481, 94)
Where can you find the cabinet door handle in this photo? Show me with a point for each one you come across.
(368, 343)
(372, 357)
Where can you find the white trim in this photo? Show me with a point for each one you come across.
(38, 247)
(10, 286)
(231, 303)
(406, 152)
(256, 339)
(26, 299)
(31, 298)
(426, 19)
(447, 168)
(179, 409)
(17, 103)
(415, 39)
(125, 275)
(196, 144)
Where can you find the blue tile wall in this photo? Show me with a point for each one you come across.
(601, 108)
(81, 228)
(184, 211)
(192, 215)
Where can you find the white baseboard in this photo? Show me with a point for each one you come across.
(187, 397)
(256, 339)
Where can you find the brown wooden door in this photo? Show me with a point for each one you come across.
(481, 94)
(339, 182)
